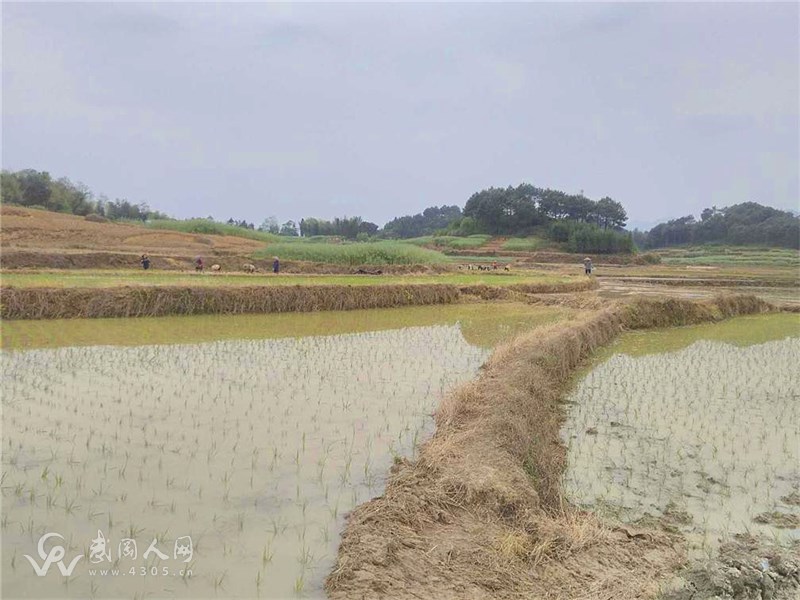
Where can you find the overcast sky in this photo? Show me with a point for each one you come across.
(294, 110)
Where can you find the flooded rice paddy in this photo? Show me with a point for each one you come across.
(177, 466)
(697, 427)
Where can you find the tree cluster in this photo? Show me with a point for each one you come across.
(428, 222)
(123, 209)
(243, 224)
(37, 189)
(748, 223)
(519, 210)
(347, 227)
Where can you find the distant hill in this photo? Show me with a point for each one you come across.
(746, 224)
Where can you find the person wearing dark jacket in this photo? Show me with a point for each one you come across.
(276, 265)
(145, 261)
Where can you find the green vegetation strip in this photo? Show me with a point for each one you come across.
(360, 253)
(208, 227)
(450, 241)
(105, 278)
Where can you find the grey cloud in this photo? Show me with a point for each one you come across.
(293, 109)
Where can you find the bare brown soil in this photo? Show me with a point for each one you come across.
(480, 513)
(746, 569)
(47, 232)
(39, 239)
(494, 245)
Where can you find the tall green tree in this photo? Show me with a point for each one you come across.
(610, 213)
(428, 222)
(289, 229)
(505, 210)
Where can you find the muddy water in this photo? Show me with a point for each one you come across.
(481, 325)
(230, 464)
(697, 427)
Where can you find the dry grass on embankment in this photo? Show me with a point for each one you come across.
(515, 290)
(68, 303)
(480, 513)
(155, 301)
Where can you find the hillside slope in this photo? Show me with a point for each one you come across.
(30, 230)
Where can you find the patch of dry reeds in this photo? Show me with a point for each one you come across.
(672, 312)
(153, 301)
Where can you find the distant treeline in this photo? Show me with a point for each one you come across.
(748, 223)
(37, 189)
(583, 224)
(429, 221)
(347, 227)
(579, 223)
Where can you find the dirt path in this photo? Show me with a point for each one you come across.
(494, 245)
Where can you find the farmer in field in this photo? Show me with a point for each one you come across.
(198, 263)
(587, 265)
(276, 265)
(145, 262)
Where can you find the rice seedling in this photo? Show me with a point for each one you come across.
(218, 581)
(229, 440)
(267, 554)
(702, 427)
(300, 584)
